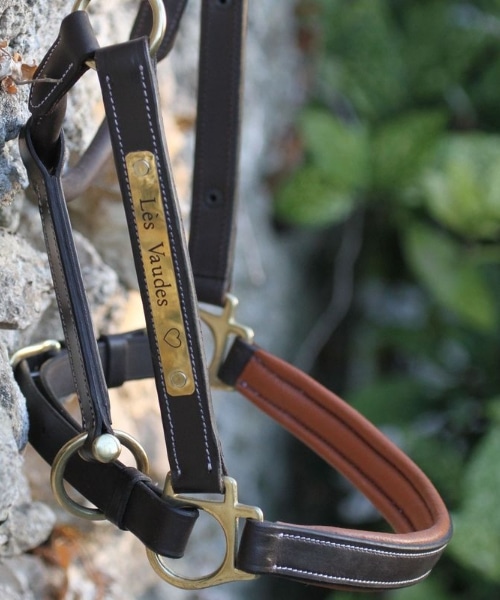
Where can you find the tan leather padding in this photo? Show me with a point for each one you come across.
(351, 444)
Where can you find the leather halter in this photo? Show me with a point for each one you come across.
(320, 555)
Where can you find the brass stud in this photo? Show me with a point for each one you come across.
(142, 167)
(178, 379)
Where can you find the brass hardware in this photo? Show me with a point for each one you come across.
(59, 466)
(156, 254)
(223, 325)
(178, 379)
(29, 351)
(226, 513)
(157, 30)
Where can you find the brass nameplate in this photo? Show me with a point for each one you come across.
(156, 254)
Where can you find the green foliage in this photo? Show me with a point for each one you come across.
(444, 268)
(397, 398)
(402, 147)
(362, 57)
(324, 191)
(462, 190)
(404, 126)
(476, 542)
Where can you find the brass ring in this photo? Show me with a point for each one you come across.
(159, 22)
(59, 466)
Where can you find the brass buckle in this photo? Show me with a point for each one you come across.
(33, 350)
(226, 513)
(223, 325)
(157, 30)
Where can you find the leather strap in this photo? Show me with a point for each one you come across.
(372, 463)
(212, 229)
(128, 499)
(129, 88)
(319, 555)
(73, 305)
(80, 176)
(65, 62)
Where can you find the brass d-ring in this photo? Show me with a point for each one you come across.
(59, 466)
(159, 22)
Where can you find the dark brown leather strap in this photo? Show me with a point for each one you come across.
(72, 301)
(348, 442)
(128, 499)
(65, 63)
(129, 88)
(319, 555)
(213, 209)
(212, 229)
(79, 177)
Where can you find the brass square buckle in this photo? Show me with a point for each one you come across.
(226, 513)
(34, 350)
(222, 326)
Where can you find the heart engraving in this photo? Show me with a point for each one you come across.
(173, 338)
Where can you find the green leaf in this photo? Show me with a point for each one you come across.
(337, 149)
(440, 66)
(462, 189)
(403, 146)
(363, 59)
(476, 541)
(309, 198)
(394, 400)
(444, 268)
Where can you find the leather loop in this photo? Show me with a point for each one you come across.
(66, 63)
(120, 499)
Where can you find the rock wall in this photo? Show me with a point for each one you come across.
(83, 560)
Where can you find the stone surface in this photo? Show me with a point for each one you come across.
(25, 282)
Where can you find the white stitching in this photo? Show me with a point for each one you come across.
(351, 579)
(122, 155)
(54, 88)
(360, 549)
(42, 69)
(177, 268)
